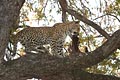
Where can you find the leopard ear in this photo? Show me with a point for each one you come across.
(77, 22)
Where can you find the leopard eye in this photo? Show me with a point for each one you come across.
(75, 33)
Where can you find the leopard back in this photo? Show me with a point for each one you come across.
(32, 37)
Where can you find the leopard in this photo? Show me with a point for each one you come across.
(32, 37)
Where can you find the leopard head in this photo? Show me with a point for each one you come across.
(74, 27)
(67, 27)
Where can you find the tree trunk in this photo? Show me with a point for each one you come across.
(9, 14)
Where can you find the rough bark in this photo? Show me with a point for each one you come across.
(48, 67)
(9, 13)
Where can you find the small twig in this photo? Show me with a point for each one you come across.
(99, 17)
(106, 15)
(114, 16)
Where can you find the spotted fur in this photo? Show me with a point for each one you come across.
(33, 37)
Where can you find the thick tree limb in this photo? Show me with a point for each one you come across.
(44, 65)
(102, 52)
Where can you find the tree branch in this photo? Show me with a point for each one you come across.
(78, 16)
(114, 16)
(63, 4)
(85, 20)
(46, 65)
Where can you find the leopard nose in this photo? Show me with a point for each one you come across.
(75, 33)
